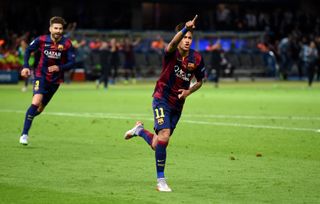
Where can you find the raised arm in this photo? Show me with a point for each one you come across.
(173, 44)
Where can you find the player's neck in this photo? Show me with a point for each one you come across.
(183, 53)
(54, 39)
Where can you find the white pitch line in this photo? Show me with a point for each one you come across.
(249, 117)
(255, 117)
(252, 126)
(123, 116)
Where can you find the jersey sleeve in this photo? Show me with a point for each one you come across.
(34, 45)
(167, 54)
(70, 59)
(200, 71)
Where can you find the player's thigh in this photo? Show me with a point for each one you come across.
(51, 90)
(37, 99)
(164, 135)
(161, 113)
(39, 86)
(175, 117)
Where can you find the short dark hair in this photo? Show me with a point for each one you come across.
(180, 26)
(57, 19)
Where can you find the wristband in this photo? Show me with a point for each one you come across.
(184, 30)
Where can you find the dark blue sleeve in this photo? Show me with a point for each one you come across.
(70, 60)
(200, 71)
(34, 45)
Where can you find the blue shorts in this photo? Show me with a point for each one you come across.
(40, 86)
(165, 117)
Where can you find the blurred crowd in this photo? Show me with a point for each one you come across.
(290, 39)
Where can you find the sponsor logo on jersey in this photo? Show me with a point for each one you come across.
(181, 74)
(52, 54)
(47, 45)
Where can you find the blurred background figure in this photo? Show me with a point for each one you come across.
(158, 45)
(317, 42)
(285, 53)
(69, 33)
(269, 59)
(215, 60)
(309, 56)
(129, 58)
(21, 52)
(104, 62)
(114, 59)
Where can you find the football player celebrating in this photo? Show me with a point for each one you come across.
(180, 65)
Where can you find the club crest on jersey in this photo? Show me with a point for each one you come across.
(52, 54)
(60, 47)
(160, 121)
(191, 66)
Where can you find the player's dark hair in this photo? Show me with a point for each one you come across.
(180, 26)
(57, 19)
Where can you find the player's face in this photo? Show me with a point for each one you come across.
(56, 30)
(186, 41)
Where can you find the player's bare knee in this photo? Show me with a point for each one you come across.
(36, 100)
(154, 142)
(40, 108)
(164, 135)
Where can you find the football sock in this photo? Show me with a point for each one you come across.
(161, 154)
(37, 113)
(146, 135)
(30, 114)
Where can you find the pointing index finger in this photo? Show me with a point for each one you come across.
(195, 18)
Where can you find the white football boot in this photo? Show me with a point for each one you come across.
(133, 132)
(24, 139)
(162, 185)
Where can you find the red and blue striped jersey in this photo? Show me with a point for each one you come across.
(51, 53)
(177, 73)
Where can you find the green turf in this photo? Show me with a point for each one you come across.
(77, 153)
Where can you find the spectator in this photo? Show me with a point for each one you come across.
(21, 51)
(114, 58)
(215, 60)
(104, 61)
(129, 58)
(269, 59)
(222, 16)
(309, 55)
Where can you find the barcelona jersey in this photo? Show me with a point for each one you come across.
(59, 53)
(177, 73)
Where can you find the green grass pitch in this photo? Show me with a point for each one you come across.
(77, 153)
